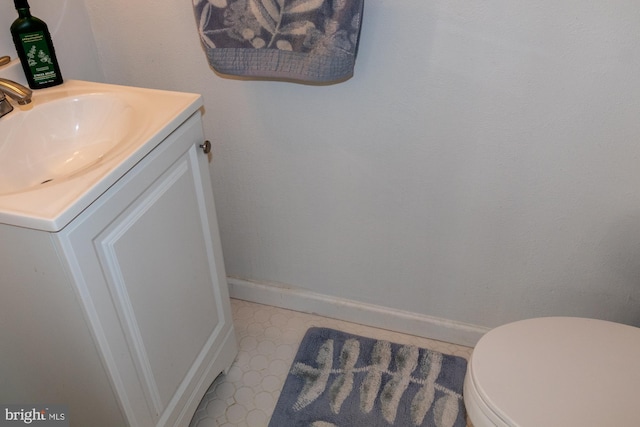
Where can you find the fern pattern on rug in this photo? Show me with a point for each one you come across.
(343, 380)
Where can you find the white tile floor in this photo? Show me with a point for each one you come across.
(268, 338)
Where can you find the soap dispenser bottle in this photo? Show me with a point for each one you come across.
(35, 49)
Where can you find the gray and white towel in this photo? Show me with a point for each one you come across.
(313, 41)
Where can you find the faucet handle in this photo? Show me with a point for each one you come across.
(4, 60)
(21, 94)
(5, 105)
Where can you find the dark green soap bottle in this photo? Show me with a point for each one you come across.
(35, 49)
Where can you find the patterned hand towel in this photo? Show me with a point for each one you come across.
(313, 41)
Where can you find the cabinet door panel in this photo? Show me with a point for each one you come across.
(147, 263)
(156, 263)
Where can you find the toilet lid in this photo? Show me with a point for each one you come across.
(560, 371)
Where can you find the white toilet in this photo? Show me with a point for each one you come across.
(555, 371)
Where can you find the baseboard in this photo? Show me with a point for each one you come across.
(356, 312)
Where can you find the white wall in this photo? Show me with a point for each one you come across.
(481, 166)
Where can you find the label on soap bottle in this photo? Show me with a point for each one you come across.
(38, 56)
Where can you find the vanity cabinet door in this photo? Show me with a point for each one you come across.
(147, 261)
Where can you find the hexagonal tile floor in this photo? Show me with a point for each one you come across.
(268, 338)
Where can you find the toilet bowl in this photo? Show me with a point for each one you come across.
(555, 371)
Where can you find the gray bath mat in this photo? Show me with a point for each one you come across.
(343, 380)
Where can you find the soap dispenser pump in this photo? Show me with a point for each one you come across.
(35, 49)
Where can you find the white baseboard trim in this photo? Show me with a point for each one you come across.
(356, 312)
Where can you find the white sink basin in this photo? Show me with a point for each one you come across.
(59, 153)
(63, 138)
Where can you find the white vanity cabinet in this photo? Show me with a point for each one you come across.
(141, 271)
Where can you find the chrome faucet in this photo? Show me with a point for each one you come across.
(17, 92)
